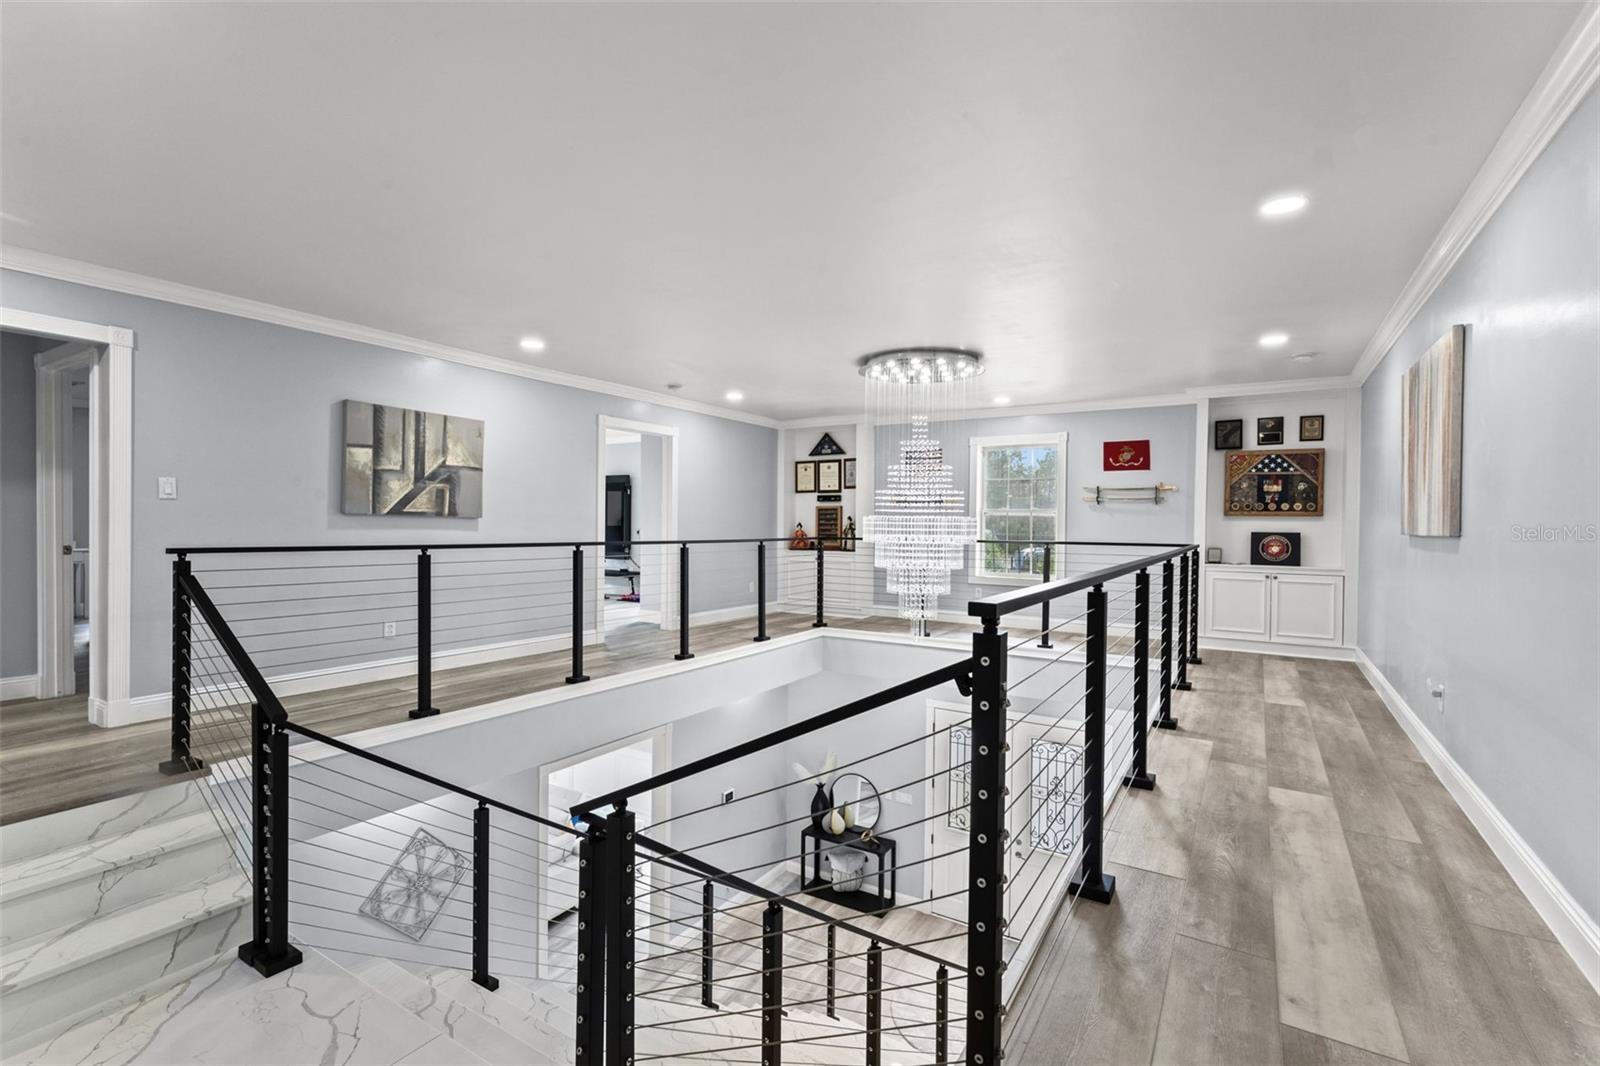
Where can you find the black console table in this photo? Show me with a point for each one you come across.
(867, 902)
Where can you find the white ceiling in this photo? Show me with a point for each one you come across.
(751, 197)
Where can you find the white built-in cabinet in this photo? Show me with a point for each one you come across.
(1278, 604)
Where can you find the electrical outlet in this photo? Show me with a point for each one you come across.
(166, 488)
(389, 629)
(727, 795)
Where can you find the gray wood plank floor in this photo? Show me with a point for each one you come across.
(1300, 888)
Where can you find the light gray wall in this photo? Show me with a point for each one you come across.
(1170, 431)
(247, 416)
(19, 637)
(1507, 621)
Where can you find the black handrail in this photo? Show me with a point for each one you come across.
(992, 608)
(671, 857)
(260, 692)
(953, 672)
(286, 549)
(351, 749)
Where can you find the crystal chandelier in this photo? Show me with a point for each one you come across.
(920, 527)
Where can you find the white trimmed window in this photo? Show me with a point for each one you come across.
(1019, 486)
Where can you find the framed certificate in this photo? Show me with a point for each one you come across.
(805, 475)
(849, 473)
(830, 475)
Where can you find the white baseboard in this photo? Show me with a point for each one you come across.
(1269, 647)
(21, 687)
(1575, 929)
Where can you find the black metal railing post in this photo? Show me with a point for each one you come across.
(986, 854)
(424, 707)
(833, 978)
(1093, 883)
(590, 977)
(707, 909)
(1044, 608)
(480, 899)
(761, 592)
(1181, 658)
(941, 1016)
(1139, 775)
(619, 921)
(820, 622)
(683, 604)
(1164, 719)
(183, 759)
(577, 676)
(1194, 608)
(772, 984)
(269, 952)
(874, 1003)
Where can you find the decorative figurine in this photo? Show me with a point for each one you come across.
(798, 541)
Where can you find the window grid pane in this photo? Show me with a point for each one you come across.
(1019, 506)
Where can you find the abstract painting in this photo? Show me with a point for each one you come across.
(410, 895)
(1286, 483)
(398, 461)
(1430, 438)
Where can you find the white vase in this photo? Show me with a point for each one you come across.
(836, 824)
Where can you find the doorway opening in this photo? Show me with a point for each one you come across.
(638, 509)
(562, 786)
(54, 503)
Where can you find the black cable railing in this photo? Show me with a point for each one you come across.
(693, 938)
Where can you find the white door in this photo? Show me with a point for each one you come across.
(1236, 603)
(1045, 819)
(948, 810)
(1308, 608)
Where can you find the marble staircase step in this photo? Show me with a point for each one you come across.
(468, 1027)
(93, 877)
(51, 980)
(98, 821)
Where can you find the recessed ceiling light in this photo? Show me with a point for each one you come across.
(1274, 340)
(1283, 206)
(733, 396)
(1002, 400)
(532, 344)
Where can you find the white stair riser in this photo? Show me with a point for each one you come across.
(99, 893)
(31, 1012)
(98, 821)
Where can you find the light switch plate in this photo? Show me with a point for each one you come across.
(166, 488)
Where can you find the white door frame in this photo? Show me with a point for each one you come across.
(668, 518)
(110, 507)
(53, 510)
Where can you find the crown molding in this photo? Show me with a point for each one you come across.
(1275, 388)
(60, 268)
(1566, 80)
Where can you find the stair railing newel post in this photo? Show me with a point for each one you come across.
(1044, 608)
(1194, 608)
(1093, 883)
(941, 1016)
(1139, 775)
(833, 977)
(1164, 719)
(425, 707)
(874, 1003)
(1181, 658)
(577, 674)
(986, 853)
(821, 622)
(761, 592)
(480, 899)
(268, 951)
(183, 759)
(619, 936)
(707, 909)
(590, 976)
(772, 984)
(683, 604)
